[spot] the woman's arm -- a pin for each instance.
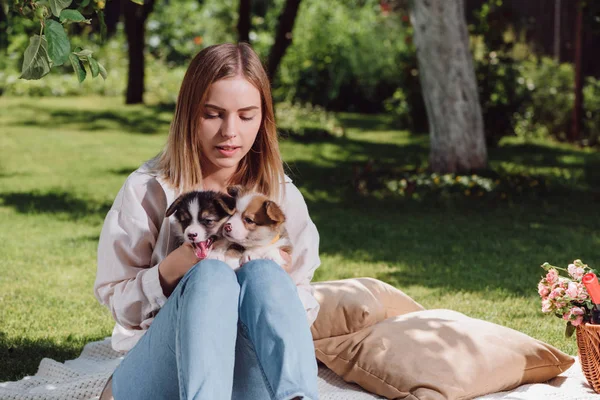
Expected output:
(305, 256)
(128, 282)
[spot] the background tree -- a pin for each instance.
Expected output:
(135, 28)
(449, 86)
(244, 21)
(283, 35)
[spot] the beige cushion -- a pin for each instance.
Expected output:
(437, 354)
(349, 305)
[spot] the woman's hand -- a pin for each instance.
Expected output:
(175, 265)
(288, 260)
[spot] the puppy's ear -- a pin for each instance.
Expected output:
(235, 191)
(226, 203)
(274, 212)
(173, 207)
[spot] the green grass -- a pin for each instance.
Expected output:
(63, 161)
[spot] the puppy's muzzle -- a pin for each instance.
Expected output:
(227, 227)
(192, 236)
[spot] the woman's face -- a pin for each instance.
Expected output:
(230, 120)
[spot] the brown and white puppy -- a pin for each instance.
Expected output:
(257, 225)
(200, 216)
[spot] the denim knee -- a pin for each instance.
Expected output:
(211, 274)
(265, 279)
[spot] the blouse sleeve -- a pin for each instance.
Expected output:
(305, 241)
(126, 281)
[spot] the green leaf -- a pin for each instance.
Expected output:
(84, 4)
(93, 66)
(140, 2)
(36, 63)
(570, 330)
(58, 5)
(102, 71)
(83, 53)
(59, 46)
(72, 16)
(77, 67)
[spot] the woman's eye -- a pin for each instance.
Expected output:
(248, 220)
(211, 116)
(246, 118)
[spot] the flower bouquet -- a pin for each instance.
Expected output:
(575, 299)
(566, 296)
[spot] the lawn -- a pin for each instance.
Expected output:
(64, 159)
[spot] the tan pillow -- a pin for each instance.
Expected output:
(440, 354)
(349, 305)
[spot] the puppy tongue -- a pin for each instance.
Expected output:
(202, 249)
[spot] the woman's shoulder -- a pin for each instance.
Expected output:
(144, 187)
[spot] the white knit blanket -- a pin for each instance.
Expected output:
(84, 378)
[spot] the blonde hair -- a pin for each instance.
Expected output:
(179, 162)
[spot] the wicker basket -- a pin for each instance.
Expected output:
(588, 344)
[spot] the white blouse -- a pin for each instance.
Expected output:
(136, 237)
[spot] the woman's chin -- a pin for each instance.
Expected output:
(226, 162)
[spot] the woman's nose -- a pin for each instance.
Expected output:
(229, 127)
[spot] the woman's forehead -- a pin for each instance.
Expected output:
(232, 94)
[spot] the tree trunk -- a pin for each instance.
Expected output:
(578, 106)
(283, 37)
(135, 27)
(557, 30)
(244, 21)
(449, 87)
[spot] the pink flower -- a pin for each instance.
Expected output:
(546, 305)
(556, 293)
(552, 276)
(575, 315)
(563, 282)
(560, 304)
(575, 271)
(577, 321)
(543, 290)
(572, 290)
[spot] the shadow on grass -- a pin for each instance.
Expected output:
(21, 357)
(137, 119)
(532, 155)
(54, 202)
(366, 122)
(123, 171)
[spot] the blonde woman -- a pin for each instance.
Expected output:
(198, 329)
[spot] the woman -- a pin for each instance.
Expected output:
(219, 334)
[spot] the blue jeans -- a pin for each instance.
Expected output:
(224, 335)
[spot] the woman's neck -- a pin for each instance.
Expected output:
(217, 180)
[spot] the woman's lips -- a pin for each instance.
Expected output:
(228, 151)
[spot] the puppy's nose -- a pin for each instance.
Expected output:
(192, 236)
(227, 227)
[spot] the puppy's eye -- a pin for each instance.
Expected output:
(208, 222)
(248, 221)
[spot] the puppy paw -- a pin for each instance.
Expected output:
(249, 256)
(276, 257)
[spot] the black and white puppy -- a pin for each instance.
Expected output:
(200, 216)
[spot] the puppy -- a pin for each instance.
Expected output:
(200, 216)
(258, 226)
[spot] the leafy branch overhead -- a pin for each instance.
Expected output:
(51, 47)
